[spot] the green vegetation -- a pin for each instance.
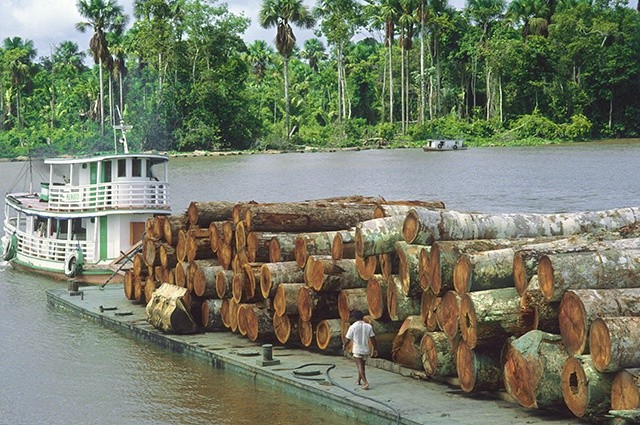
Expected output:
(392, 73)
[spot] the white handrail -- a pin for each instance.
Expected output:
(53, 249)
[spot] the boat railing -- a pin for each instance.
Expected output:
(105, 196)
(53, 249)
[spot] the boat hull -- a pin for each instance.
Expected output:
(90, 276)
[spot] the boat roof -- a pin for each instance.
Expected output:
(155, 158)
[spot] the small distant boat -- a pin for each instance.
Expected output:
(444, 145)
(80, 224)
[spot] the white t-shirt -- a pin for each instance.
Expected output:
(359, 333)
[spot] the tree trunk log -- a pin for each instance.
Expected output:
(273, 274)
(423, 226)
(586, 392)
(286, 329)
(428, 305)
(157, 227)
(484, 270)
(437, 354)
(487, 317)
(150, 252)
(406, 349)
(478, 370)
(367, 267)
(424, 270)
(286, 299)
(129, 278)
(199, 248)
(536, 312)
(181, 246)
(625, 390)
(350, 300)
(259, 324)
(317, 305)
(318, 243)
(212, 315)
(168, 310)
(613, 342)
(532, 369)
(377, 288)
(378, 236)
(334, 275)
(171, 226)
(306, 332)
(448, 314)
(201, 214)
(168, 258)
(328, 335)
(399, 306)
(388, 210)
(181, 274)
(408, 257)
(282, 247)
(588, 270)
(224, 284)
(149, 288)
(580, 307)
(204, 281)
(344, 244)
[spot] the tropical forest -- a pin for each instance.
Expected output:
(179, 76)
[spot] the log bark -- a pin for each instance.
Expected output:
(244, 285)
(150, 287)
(282, 247)
(199, 248)
(588, 270)
(168, 310)
(204, 281)
(614, 342)
(317, 243)
(484, 270)
(388, 210)
(408, 257)
(317, 305)
(423, 226)
(586, 392)
(273, 274)
(224, 284)
(259, 324)
(344, 244)
(625, 390)
(201, 214)
(428, 305)
(306, 217)
(328, 336)
(399, 306)
(212, 315)
(532, 369)
(225, 313)
(424, 270)
(139, 268)
(579, 307)
(158, 227)
(350, 300)
(168, 258)
(488, 317)
(438, 355)
(627, 416)
(334, 275)
(378, 236)
(286, 299)
(406, 349)
(377, 288)
(150, 252)
(367, 267)
(536, 312)
(171, 226)
(478, 370)
(286, 329)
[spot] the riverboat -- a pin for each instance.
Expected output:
(87, 217)
(444, 145)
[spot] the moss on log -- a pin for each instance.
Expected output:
(614, 342)
(408, 258)
(378, 236)
(437, 354)
(484, 270)
(333, 275)
(273, 274)
(586, 392)
(478, 370)
(406, 349)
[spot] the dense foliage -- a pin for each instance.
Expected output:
(392, 71)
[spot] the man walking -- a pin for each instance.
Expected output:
(361, 333)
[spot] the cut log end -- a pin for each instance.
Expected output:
(375, 298)
(625, 391)
(282, 327)
(573, 324)
(465, 365)
(518, 378)
(450, 308)
(411, 226)
(300, 251)
(305, 331)
(519, 273)
(600, 344)
(462, 275)
(305, 304)
(575, 387)
(545, 277)
(468, 321)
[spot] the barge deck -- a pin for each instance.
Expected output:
(397, 395)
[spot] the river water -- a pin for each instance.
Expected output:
(59, 369)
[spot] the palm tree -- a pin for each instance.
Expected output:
(102, 16)
(314, 52)
(281, 14)
(67, 60)
(259, 57)
(533, 15)
(18, 56)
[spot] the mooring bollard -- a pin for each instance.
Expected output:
(267, 356)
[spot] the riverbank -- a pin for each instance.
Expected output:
(397, 394)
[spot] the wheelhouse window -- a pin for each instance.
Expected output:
(136, 167)
(122, 168)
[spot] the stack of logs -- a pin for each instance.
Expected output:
(540, 305)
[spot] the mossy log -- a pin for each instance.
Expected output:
(478, 370)
(536, 312)
(438, 355)
(286, 329)
(625, 390)
(306, 217)
(588, 270)
(333, 275)
(614, 342)
(532, 369)
(403, 207)
(367, 266)
(579, 307)
(168, 310)
(586, 392)
(328, 336)
(400, 306)
(627, 416)
(484, 270)
(224, 283)
(282, 247)
(408, 259)
(350, 300)
(212, 315)
(201, 214)
(487, 317)
(204, 281)
(317, 305)
(448, 314)
(273, 274)
(424, 226)
(378, 236)
(377, 288)
(344, 244)
(286, 299)
(406, 349)
(259, 323)
(317, 243)
(428, 305)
